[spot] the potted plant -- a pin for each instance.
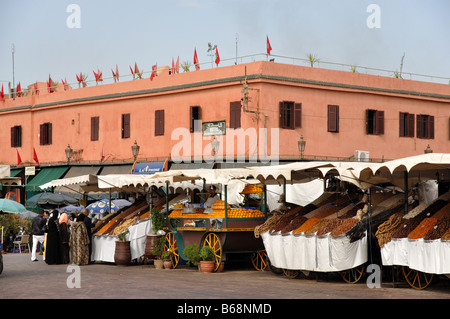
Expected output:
(157, 224)
(192, 253)
(158, 251)
(122, 253)
(167, 259)
(207, 264)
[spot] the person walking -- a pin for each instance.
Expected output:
(79, 242)
(89, 226)
(64, 238)
(37, 229)
(52, 249)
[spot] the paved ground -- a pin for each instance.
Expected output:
(23, 279)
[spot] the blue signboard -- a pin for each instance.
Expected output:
(149, 168)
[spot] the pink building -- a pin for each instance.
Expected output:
(336, 112)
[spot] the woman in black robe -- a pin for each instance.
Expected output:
(64, 238)
(53, 248)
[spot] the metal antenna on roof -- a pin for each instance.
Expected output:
(401, 64)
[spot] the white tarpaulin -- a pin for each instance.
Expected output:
(314, 253)
(103, 247)
(429, 256)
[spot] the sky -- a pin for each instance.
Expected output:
(51, 38)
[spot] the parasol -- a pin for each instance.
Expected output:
(102, 206)
(12, 207)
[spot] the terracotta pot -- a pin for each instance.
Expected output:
(167, 264)
(149, 246)
(207, 266)
(122, 253)
(159, 263)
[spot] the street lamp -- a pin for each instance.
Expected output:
(68, 151)
(135, 149)
(428, 150)
(301, 146)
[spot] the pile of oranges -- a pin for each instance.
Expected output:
(220, 213)
(244, 213)
(251, 189)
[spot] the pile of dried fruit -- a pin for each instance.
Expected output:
(387, 229)
(438, 230)
(446, 236)
(406, 227)
(306, 225)
(317, 226)
(346, 225)
(123, 227)
(268, 224)
(294, 224)
(335, 222)
(422, 229)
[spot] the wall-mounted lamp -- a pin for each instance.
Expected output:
(215, 145)
(135, 149)
(301, 146)
(428, 150)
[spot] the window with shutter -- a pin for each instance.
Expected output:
(194, 117)
(159, 122)
(126, 125)
(425, 126)
(45, 133)
(95, 124)
(235, 114)
(16, 136)
(333, 118)
(374, 122)
(290, 115)
(406, 124)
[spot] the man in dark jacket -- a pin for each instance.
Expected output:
(37, 229)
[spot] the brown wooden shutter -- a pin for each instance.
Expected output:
(235, 114)
(41, 134)
(194, 115)
(159, 122)
(95, 125)
(419, 126)
(367, 122)
(12, 137)
(126, 125)
(379, 122)
(430, 127)
(50, 134)
(282, 115)
(333, 118)
(401, 125)
(297, 115)
(410, 127)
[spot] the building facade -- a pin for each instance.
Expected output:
(266, 108)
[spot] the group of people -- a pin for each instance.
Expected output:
(65, 240)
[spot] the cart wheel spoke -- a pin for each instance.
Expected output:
(417, 279)
(353, 275)
(259, 260)
(172, 246)
(213, 241)
(290, 273)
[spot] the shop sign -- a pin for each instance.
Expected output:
(214, 128)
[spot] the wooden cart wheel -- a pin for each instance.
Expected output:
(417, 279)
(353, 275)
(259, 260)
(291, 273)
(213, 241)
(172, 246)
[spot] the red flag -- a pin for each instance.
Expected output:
(98, 76)
(19, 160)
(18, 90)
(116, 74)
(2, 94)
(35, 156)
(173, 67)
(217, 57)
(50, 84)
(177, 66)
(269, 48)
(197, 66)
(36, 91)
(154, 69)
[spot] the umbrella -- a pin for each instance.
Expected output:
(101, 206)
(71, 209)
(10, 206)
(28, 214)
(121, 202)
(53, 199)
